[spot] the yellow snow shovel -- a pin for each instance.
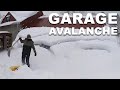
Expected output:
(14, 68)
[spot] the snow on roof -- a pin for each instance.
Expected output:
(8, 23)
(47, 13)
(4, 32)
(46, 16)
(20, 15)
(35, 31)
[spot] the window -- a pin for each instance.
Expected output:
(7, 18)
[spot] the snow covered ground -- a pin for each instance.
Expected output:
(72, 57)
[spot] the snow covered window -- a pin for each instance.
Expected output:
(7, 18)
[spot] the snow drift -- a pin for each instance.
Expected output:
(74, 57)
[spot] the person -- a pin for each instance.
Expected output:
(27, 45)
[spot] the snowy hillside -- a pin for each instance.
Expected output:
(68, 57)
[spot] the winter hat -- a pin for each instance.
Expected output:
(28, 36)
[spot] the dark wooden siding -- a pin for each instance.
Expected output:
(11, 18)
(27, 22)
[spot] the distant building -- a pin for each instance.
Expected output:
(13, 22)
(7, 18)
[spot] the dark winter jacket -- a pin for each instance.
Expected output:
(27, 45)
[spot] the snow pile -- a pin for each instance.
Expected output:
(41, 35)
(34, 32)
(24, 72)
(74, 57)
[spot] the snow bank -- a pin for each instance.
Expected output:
(24, 72)
(41, 35)
(34, 32)
(74, 57)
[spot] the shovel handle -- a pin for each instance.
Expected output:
(15, 42)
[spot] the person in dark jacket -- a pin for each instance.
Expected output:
(27, 45)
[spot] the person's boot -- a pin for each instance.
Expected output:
(28, 65)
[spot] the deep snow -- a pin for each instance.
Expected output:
(74, 57)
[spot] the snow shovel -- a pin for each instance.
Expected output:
(47, 47)
(9, 50)
(14, 68)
